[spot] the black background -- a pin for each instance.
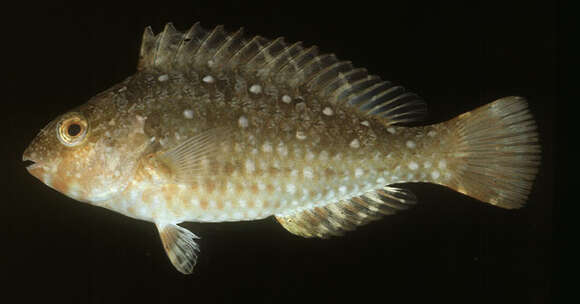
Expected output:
(457, 55)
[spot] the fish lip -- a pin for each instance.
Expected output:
(32, 163)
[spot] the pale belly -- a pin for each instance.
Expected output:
(238, 201)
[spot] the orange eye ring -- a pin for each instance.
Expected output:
(72, 129)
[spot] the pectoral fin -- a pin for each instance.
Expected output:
(192, 158)
(180, 246)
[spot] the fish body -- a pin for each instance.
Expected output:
(216, 127)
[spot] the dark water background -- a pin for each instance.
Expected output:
(449, 248)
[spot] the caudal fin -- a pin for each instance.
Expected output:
(497, 152)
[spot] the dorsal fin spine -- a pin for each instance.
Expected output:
(165, 44)
(203, 48)
(297, 62)
(147, 44)
(265, 51)
(231, 39)
(294, 67)
(283, 57)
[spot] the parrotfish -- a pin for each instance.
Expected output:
(219, 126)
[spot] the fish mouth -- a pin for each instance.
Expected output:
(30, 162)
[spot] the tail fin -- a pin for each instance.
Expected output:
(497, 152)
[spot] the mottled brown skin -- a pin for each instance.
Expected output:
(143, 117)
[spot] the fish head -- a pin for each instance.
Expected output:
(90, 153)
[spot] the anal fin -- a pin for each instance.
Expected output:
(180, 246)
(345, 215)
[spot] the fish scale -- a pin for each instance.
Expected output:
(217, 126)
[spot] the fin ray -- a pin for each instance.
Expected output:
(497, 153)
(292, 65)
(179, 244)
(337, 218)
(193, 156)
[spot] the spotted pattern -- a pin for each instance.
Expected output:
(263, 181)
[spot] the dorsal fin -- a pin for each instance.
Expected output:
(290, 65)
(337, 218)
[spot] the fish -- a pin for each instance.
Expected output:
(219, 126)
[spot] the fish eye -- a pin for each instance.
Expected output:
(72, 129)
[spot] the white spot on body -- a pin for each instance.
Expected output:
(391, 130)
(308, 173)
(300, 135)
(442, 164)
(305, 194)
(267, 147)
(358, 172)
(195, 202)
(210, 63)
(435, 174)
(261, 186)
(381, 181)
(431, 133)
(411, 144)
(143, 210)
(330, 195)
(291, 188)
(309, 155)
(243, 122)
(252, 213)
(282, 149)
(365, 123)
(355, 144)
(188, 114)
(163, 78)
(208, 79)
(328, 111)
(250, 167)
(323, 156)
(256, 89)
(286, 99)
(342, 190)
(413, 165)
